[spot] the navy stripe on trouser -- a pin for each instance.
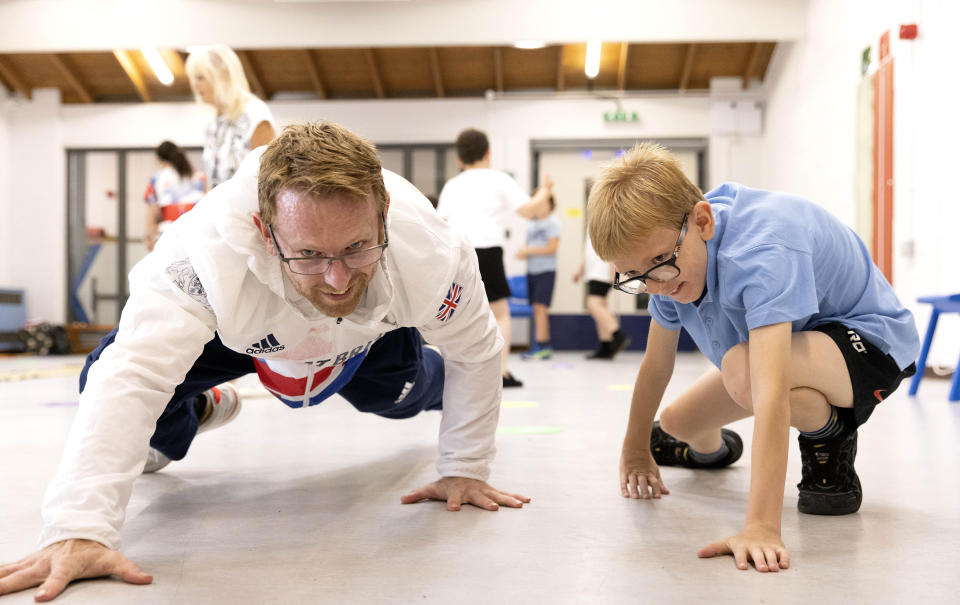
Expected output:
(394, 361)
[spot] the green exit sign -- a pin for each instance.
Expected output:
(620, 116)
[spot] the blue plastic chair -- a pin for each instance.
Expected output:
(941, 304)
(519, 299)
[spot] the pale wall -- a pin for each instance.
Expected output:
(34, 207)
(809, 143)
(4, 189)
(925, 170)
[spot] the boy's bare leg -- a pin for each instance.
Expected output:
(541, 320)
(698, 414)
(603, 316)
(501, 312)
(818, 379)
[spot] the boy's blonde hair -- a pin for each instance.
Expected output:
(643, 190)
(319, 159)
(221, 67)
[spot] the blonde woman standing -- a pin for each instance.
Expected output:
(243, 122)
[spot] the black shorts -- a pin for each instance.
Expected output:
(540, 287)
(492, 273)
(598, 288)
(873, 373)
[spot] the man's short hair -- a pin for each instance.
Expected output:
(642, 191)
(472, 145)
(319, 159)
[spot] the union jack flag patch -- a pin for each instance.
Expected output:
(450, 303)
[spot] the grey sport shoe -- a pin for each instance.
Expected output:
(223, 405)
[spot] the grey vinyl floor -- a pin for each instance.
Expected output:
(302, 506)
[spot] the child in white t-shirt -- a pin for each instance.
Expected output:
(598, 277)
(477, 203)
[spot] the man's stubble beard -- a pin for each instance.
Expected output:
(315, 295)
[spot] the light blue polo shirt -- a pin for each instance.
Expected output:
(539, 234)
(776, 257)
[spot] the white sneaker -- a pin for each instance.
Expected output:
(155, 461)
(223, 405)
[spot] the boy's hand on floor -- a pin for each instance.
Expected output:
(640, 475)
(758, 544)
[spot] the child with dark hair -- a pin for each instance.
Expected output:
(172, 191)
(472, 146)
(477, 203)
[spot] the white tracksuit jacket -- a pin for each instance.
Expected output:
(212, 272)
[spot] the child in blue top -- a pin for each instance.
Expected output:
(543, 238)
(785, 301)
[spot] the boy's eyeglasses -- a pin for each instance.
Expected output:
(317, 265)
(661, 273)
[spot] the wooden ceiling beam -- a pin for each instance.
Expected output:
(11, 77)
(133, 73)
(256, 85)
(561, 81)
(435, 69)
(375, 78)
(498, 68)
(751, 63)
(622, 66)
(314, 73)
(60, 62)
(174, 61)
(687, 67)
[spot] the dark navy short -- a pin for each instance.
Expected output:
(874, 375)
(540, 287)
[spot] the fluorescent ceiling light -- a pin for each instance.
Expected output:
(332, 1)
(591, 65)
(158, 65)
(529, 44)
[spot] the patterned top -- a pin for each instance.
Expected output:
(228, 141)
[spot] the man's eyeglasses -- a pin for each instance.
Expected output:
(661, 273)
(316, 265)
